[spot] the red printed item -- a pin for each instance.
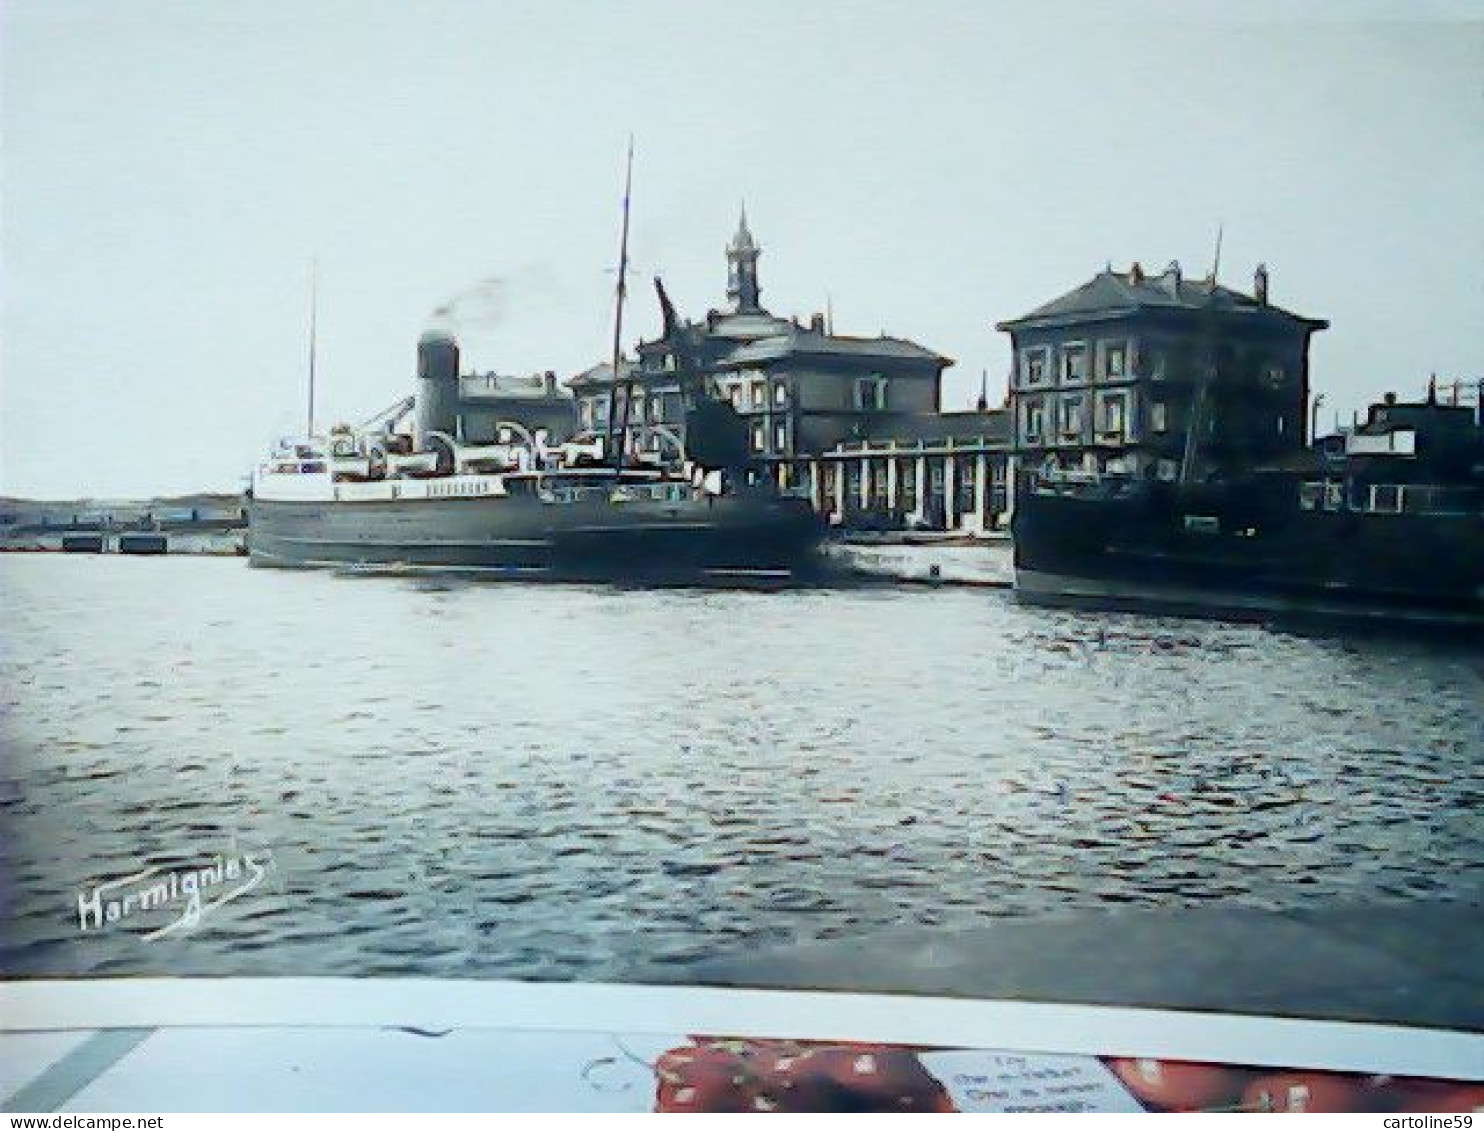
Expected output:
(1176, 1085)
(718, 1074)
(1173, 1085)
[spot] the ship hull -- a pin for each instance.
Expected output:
(1145, 554)
(736, 536)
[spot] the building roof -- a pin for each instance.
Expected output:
(992, 426)
(907, 430)
(531, 387)
(799, 340)
(1113, 293)
(747, 325)
(600, 374)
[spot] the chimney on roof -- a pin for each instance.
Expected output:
(1260, 284)
(1171, 278)
(1136, 273)
(551, 388)
(816, 323)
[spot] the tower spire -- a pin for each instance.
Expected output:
(742, 283)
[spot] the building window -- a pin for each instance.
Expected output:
(1071, 417)
(1159, 417)
(1074, 362)
(1033, 366)
(657, 408)
(600, 412)
(1035, 420)
(1115, 360)
(780, 393)
(739, 397)
(759, 438)
(780, 436)
(1112, 423)
(870, 394)
(759, 394)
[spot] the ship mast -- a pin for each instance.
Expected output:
(313, 319)
(620, 293)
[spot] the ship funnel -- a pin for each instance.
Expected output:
(438, 383)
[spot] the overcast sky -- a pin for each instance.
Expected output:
(171, 169)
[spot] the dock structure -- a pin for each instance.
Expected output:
(195, 525)
(950, 484)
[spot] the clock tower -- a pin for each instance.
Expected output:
(742, 284)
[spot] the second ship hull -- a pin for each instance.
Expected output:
(1143, 554)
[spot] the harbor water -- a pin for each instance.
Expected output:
(516, 780)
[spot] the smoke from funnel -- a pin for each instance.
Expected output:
(477, 307)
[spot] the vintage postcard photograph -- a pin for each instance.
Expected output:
(844, 555)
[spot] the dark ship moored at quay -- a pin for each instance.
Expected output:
(1391, 531)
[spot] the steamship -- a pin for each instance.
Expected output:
(489, 491)
(1380, 525)
(517, 505)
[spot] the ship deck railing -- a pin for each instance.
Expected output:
(1392, 498)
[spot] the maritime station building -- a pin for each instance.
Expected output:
(1146, 375)
(854, 422)
(1159, 376)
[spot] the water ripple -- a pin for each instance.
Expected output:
(567, 782)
